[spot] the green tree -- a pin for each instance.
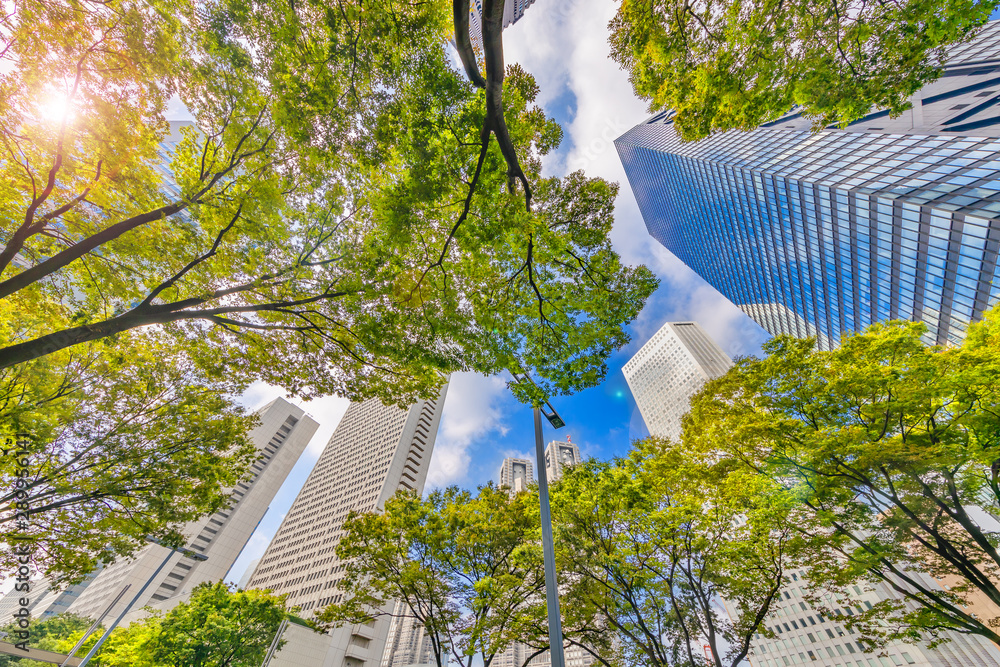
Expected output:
(889, 447)
(724, 64)
(651, 541)
(216, 627)
(467, 566)
(56, 633)
(104, 474)
(339, 221)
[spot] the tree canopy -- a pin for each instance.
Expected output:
(216, 627)
(889, 448)
(651, 542)
(335, 220)
(465, 566)
(725, 64)
(107, 433)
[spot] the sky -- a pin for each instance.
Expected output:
(563, 43)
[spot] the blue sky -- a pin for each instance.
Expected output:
(564, 44)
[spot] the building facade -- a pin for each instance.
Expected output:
(516, 474)
(375, 451)
(513, 10)
(802, 636)
(281, 436)
(407, 644)
(668, 370)
(558, 455)
(822, 233)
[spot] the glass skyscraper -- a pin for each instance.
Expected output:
(819, 233)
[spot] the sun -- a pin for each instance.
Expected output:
(56, 107)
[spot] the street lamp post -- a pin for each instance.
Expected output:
(100, 642)
(548, 548)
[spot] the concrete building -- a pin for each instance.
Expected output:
(516, 474)
(407, 645)
(668, 370)
(805, 637)
(282, 435)
(822, 233)
(558, 455)
(513, 10)
(375, 451)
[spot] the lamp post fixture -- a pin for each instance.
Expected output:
(548, 547)
(186, 552)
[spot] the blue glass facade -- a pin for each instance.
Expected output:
(818, 233)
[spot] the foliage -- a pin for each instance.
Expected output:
(724, 64)
(107, 434)
(56, 633)
(890, 448)
(651, 541)
(335, 221)
(467, 566)
(215, 627)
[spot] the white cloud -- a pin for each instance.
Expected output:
(472, 410)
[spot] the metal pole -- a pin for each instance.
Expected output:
(118, 620)
(95, 624)
(274, 643)
(548, 551)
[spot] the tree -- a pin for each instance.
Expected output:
(216, 627)
(338, 221)
(106, 437)
(55, 633)
(723, 65)
(468, 567)
(651, 541)
(890, 448)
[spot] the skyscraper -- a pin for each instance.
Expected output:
(802, 636)
(375, 451)
(282, 435)
(668, 370)
(513, 10)
(516, 474)
(558, 455)
(407, 644)
(820, 233)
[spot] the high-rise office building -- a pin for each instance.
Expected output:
(407, 644)
(802, 636)
(558, 455)
(668, 370)
(513, 10)
(516, 474)
(375, 451)
(820, 233)
(280, 437)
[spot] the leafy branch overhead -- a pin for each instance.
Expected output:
(724, 64)
(336, 219)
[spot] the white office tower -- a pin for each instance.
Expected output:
(805, 637)
(407, 644)
(558, 455)
(516, 474)
(513, 10)
(668, 370)
(52, 601)
(282, 435)
(375, 451)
